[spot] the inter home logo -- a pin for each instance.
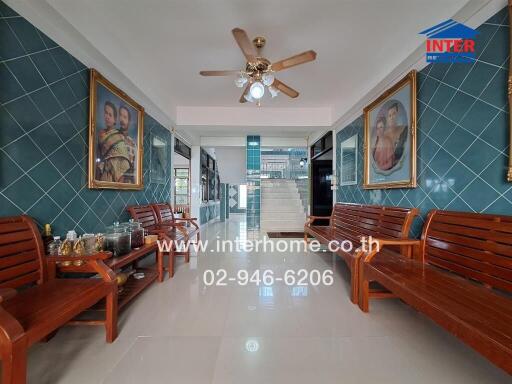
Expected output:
(450, 42)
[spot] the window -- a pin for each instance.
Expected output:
(182, 148)
(211, 185)
(242, 196)
(217, 186)
(181, 186)
(204, 184)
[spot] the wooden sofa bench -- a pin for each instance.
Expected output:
(460, 277)
(354, 221)
(32, 304)
(165, 215)
(170, 232)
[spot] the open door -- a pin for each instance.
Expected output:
(321, 176)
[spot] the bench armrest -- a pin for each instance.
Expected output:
(311, 219)
(167, 224)
(409, 244)
(191, 220)
(7, 293)
(10, 329)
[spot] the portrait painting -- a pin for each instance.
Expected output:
(115, 137)
(390, 137)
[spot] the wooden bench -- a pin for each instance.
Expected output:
(42, 304)
(353, 222)
(165, 215)
(172, 233)
(459, 274)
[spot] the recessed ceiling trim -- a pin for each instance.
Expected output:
(253, 116)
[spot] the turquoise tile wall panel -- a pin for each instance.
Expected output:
(463, 134)
(223, 195)
(203, 214)
(234, 199)
(253, 158)
(209, 211)
(44, 106)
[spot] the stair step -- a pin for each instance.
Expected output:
(281, 206)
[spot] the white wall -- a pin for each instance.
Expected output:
(195, 181)
(231, 161)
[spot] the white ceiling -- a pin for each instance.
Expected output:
(161, 45)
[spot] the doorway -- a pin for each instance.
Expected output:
(321, 176)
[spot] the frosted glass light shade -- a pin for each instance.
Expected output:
(257, 90)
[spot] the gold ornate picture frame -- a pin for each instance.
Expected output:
(116, 129)
(390, 137)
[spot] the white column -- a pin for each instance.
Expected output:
(195, 181)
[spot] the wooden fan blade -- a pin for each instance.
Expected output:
(285, 89)
(219, 73)
(245, 44)
(301, 58)
(246, 91)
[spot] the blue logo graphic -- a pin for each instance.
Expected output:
(450, 42)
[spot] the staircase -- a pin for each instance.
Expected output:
(281, 206)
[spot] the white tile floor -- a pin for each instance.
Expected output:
(181, 331)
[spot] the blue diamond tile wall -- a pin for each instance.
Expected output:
(463, 135)
(44, 104)
(253, 159)
(234, 199)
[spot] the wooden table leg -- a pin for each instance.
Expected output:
(160, 263)
(171, 263)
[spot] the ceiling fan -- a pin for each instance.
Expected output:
(259, 71)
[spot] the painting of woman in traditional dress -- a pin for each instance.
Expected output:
(390, 137)
(115, 139)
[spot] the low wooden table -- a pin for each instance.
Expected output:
(131, 288)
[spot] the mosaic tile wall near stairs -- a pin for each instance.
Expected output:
(234, 199)
(44, 98)
(463, 135)
(253, 167)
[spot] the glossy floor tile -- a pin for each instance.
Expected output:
(182, 331)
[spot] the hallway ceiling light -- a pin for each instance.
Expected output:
(268, 78)
(257, 90)
(241, 80)
(273, 92)
(259, 71)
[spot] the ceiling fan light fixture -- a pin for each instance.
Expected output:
(239, 82)
(257, 90)
(273, 91)
(267, 78)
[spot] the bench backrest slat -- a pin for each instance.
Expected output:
(144, 214)
(356, 220)
(163, 213)
(21, 252)
(473, 245)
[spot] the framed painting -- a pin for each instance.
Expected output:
(159, 159)
(348, 161)
(390, 137)
(116, 128)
